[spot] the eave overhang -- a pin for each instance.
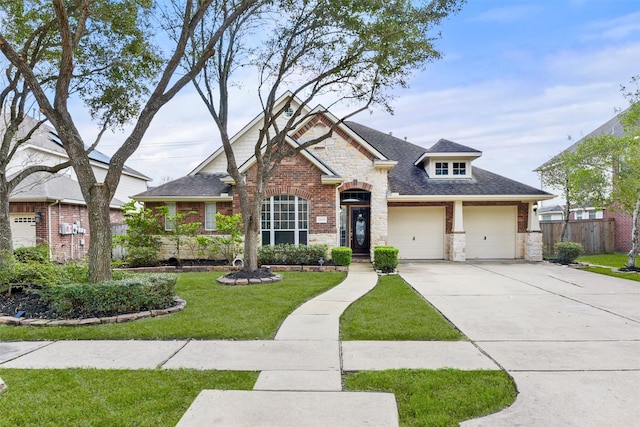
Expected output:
(394, 197)
(221, 198)
(387, 165)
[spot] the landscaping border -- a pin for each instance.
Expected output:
(12, 321)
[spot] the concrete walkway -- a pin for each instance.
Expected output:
(569, 338)
(300, 370)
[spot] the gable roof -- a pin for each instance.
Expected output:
(411, 180)
(43, 186)
(202, 186)
(46, 139)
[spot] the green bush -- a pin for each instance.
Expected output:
(567, 252)
(32, 254)
(35, 273)
(292, 254)
(385, 257)
(142, 256)
(341, 255)
(136, 293)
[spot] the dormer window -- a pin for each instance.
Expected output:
(459, 168)
(442, 168)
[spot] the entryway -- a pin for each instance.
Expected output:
(355, 222)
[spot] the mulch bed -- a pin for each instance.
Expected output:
(34, 307)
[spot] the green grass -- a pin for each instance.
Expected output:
(394, 311)
(609, 272)
(439, 398)
(84, 397)
(213, 311)
(607, 260)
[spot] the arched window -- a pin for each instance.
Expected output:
(285, 219)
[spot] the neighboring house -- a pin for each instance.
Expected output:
(556, 213)
(362, 188)
(49, 208)
(623, 221)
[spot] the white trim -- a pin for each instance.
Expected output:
(184, 198)
(394, 197)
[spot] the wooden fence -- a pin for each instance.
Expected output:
(597, 236)
(118, 229)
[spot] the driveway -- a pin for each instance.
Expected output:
(569, 338)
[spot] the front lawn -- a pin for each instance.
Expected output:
(442, 398)
(607, 260)
(87, 397)
(213, 311)
(394, 311)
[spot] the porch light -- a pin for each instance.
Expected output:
(351, 200)
(535, 207)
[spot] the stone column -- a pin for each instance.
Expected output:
(458, 239)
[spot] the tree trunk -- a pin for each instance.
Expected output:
(633, 253)
(565, 225)
(6, 240)
(100, 233)
(251, 239)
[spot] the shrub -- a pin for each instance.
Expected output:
(291, 254)
(230, 244)
(35, 273)
(32, 254)
(385, 257)
(567, 252)
(341, 255)
(142, 256)
(136, 293)
(141, 240)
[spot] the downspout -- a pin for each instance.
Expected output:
(49, 227)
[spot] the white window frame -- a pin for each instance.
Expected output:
(210, 216)
(170, 225)
(460, 165)
(443, 168)
(300, 219)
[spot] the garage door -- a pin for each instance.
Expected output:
(490, 231)
(418, 232)
(23, 230)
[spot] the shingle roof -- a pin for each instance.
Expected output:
(198, 185)
(446, 146)
(46, 138)
(408, 179)
(46, 186)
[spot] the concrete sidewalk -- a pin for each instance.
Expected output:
(301, 369)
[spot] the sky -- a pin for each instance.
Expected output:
(519, 80)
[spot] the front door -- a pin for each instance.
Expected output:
(360, 222)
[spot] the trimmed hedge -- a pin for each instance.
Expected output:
(291, 254)
(137, 293)
(385, 258)
(568, 252)
(341, 255)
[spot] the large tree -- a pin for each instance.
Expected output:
(344, 53)
(609, 168)
(104, 53)
(561, 174)
(15, 128)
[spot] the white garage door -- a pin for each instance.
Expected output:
(490, 231)
(23, 230)
(418, 232)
